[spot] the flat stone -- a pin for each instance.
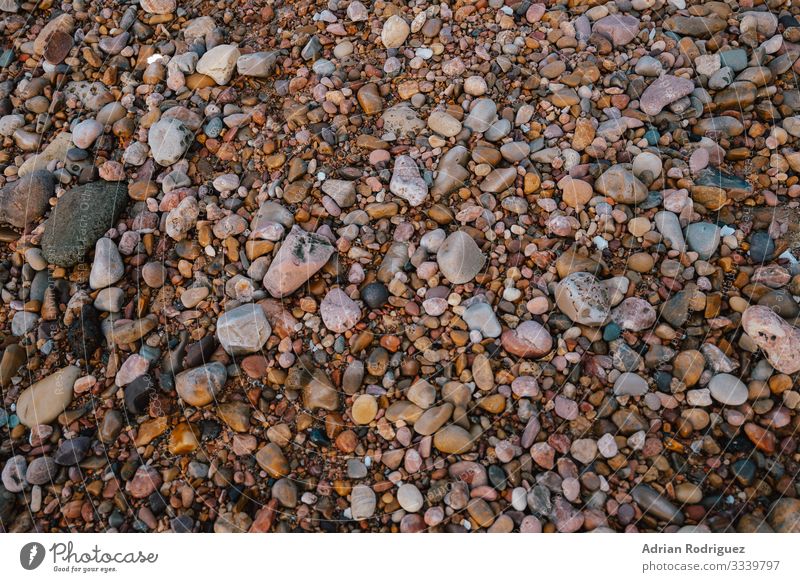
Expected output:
(80, 218)
(199, 386)
(406, 181)
(42, 402)
(301, 255)
(243, 330)
(459, 258)
(26, 200)
(728, 390)
(663, 91)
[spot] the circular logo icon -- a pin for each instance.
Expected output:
(31, 555)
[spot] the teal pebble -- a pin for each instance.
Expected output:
(611, 332)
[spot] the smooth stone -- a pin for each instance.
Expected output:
(26, 200)
(13, 474)
(481, 116)
(362, 502)
(779, 339)
(453, 439)
(630, 384)
(407, 183)
(243, 330)
(107, 267)
(728, 390)
(650, 501)
(395, 31)
(56, 150)
(410, 498)
(480, 316)
(635, 314)
(459, 258)
(529, 340)
(620, 184)
(301, 255)
(703, 238)
(42, 402)
(444, 124)
(364, 409)
(200, 386)
(86, 132)
(339, 313)
(582, 298)
(41, 471)
(169, 139)
(271, 459)
(259, 65)
(663, 91)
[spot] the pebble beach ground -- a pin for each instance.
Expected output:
(483, 265)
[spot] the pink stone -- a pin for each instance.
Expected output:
(621, 29)
(529, 340)
(531, 430)
(566, 408)
(543, 455)
(699, 160)
(301, 255)
(112, 171)
(779, 340)
(134, 367)
(145, 481)
(525, 387)
(663, 91)
(530, 524)
(634, 314)
(339, 313)
(535, 13)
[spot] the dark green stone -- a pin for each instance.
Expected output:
(81, 217)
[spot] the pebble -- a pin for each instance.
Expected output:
(199, 386)
(728, 390)
(243, 330)
(459, 258)
(495, 257)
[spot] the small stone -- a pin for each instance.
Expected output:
(200, 386)
(362, 502)
(219, 63)
(459, 258)
(728, 390)
(158, 6)
(771, 333)
(365, 407)
(243, 330)
(406, 181)
(46, 399)
(272, 460)
(630, 384)
(25, 201)
(665, 90)
(529, 340)
(620, 184)
(453, 439)
(86, 132)
(107, 267)
(395, 32)
(582, 298)
(301, 255)
(410, 498)
(650, 501)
